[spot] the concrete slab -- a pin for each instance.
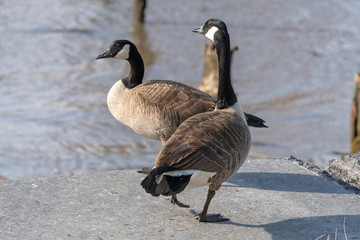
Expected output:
(266, 199)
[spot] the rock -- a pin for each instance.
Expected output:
(346, 168)
(267, 199)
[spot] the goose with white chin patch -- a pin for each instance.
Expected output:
(155, 108)
(208, 148)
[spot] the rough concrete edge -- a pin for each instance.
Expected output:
(324, 174)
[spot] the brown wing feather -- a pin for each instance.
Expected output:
(178, 97)
(186, 100)
(171, 103)
(209, 142)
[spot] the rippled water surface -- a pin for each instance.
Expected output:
(294, 68)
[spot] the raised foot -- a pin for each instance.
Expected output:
(174, 201)
(211, 218)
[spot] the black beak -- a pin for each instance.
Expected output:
(198, 30)
(104, 55)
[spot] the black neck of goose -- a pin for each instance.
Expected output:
(136, 72)
(226, 96)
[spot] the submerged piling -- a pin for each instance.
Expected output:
(354, 117)
(139, 11)
(210, 78)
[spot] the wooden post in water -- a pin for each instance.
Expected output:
(139, 11)
(210, 78)
(354, 117)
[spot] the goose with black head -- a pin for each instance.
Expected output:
(208, 148)
(155, 108)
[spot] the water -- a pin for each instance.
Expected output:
(294, 68)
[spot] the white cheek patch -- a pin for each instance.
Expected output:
(211, 32)
(123, 53)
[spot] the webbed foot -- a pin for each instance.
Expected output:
(210, 218)
(174, 201)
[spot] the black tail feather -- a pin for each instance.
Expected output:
(177, 184)
(145, 170)
(149, 184)
(166, 185)
(254, 121)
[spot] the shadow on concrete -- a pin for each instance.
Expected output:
(308, 227)
(284, 182)
(311, 227)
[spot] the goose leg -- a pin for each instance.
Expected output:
(203, 217)
(174, 200)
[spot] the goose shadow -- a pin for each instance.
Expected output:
(287, 182)
(316, 227)
(319, 227)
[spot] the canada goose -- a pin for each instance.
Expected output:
(208, 148)
(155, 108)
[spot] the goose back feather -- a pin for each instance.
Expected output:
(209, 142)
